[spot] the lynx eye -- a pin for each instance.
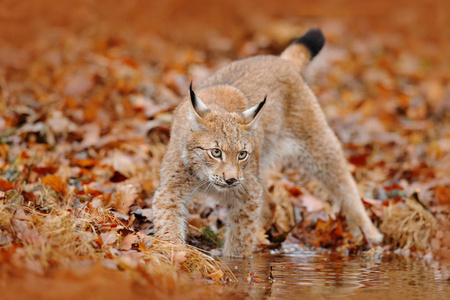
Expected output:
(242, 155)
(216, 153)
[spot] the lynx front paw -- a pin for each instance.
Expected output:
(235, 252)
(170, 231)
(171, 238)
(239, 245)
(372, 234)
(369, 231)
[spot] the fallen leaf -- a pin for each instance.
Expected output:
(118, 177)
(85, 162)
(252, 278)
(147, 213)
(5, 185)
(122, 163)
(125, 196)
(443, 194)
(179, 257)
(78, 84)
(44, 170)
(322, 226)
(91, 136)
(55, 183)
(5, 238)
(295, 191)
(109, 237)
(127, 241)
(359, 160)
(216, 276)
(311, 203)
(59, 124)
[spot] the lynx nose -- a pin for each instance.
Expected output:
(231, 181)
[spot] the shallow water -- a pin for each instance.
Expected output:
(305, 274)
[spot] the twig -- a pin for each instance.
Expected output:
(415, 196)
(271, 273)
(252, 274)
(29, 168)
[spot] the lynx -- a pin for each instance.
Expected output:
(245, 118)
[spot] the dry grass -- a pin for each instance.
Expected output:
(408, 225)
(57, 233)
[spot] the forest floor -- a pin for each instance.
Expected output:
(87, 93)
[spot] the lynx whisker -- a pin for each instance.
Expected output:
(241, 189)
(202, 183)
(208, 187)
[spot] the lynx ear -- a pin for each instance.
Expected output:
(252, 114)
(197, 110)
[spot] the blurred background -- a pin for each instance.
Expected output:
(88, 87)
(84, 76)
(195, 21)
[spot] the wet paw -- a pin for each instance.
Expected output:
(232, 252)
(369, 232)
(372, 234)
(375, 238)
(235, 251)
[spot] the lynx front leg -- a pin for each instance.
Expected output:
(170, 213)
(243, 221)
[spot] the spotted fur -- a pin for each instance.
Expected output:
(229, 112)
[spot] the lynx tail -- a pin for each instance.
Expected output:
(303, 49)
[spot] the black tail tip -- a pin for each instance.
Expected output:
(313, 40)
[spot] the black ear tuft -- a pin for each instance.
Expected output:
(251, 115)
(197, 106)
(313, 40)
(191, 92)
(260, 106)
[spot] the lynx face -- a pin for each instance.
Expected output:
(220, 143)
(219, 151)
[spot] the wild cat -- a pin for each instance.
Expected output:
(246, 117)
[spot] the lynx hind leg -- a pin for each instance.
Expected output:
(243, 222)
(321, 156)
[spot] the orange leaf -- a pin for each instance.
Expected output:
(358, 160)
(98, 241)
(125, 196)
(5, 185)
(180, 258)
(392, 187)
(130, 62)
(45, 170)
(295, 191)
(252, 278)
(55, 183)
(322, 226)
(127, 242)
(85, 162)
(95, 193)
(142, 246)
(217, 275)
(443, 194)
(338, 232)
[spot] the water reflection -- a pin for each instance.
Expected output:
(305, 274)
